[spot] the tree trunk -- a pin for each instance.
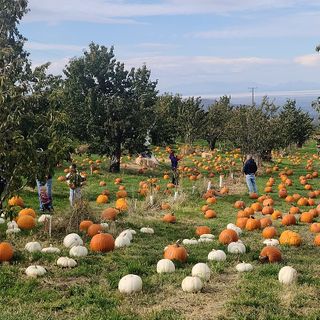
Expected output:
(267, 156)
(115, 160)
(299, 145)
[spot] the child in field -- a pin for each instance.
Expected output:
(45, 199)
(75, 181)
(174, 167)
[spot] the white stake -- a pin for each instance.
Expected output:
(175, 197)
(209, 186)
(193, 189)
(135, 204)
(231, 175)
(221, 181)
(151, 200)
(50, 226)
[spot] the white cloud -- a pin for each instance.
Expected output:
(30, 45)
(110, 11)
(309, 60)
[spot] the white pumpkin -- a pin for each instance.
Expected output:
(66, 262)
(122, 241)
(126, 233)
(2, 221)
(133, 232)
(189, 241)
(35, 271)
(205, 240)
(147, 230)
(236, 247)
(244, 267)
(14, 230)
(287, 275)
(130, 283)
(165, 266)
(217, 255)
(207, 236)
(50, 249)
(233, 227)
(44, 217)
(78, 251)
(202, 271)
(271, 242)
(104, 225)
(71, 240)
(33, 246)
(191, 284)
(12, 225)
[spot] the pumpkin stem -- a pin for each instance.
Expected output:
(178, 242)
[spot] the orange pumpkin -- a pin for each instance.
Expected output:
(290, 238)
(26, 222)
(27, 211)
(257, 207)
(102, 199)
(306, 217)
(227, 236)
(176, 252)
(121, 204)
(253, 224)
(265, 222)
(276, 214)
(169, 218)
(121, 194)
(202, 230)
(241, 222)
(317, 240)
(294, 210)
(16, 201)
(270, 254)
(267, 210)
(109, 214)
(165, 206)
(269, 232)
(94, 229)
(102, 242)
(288, 220)
(315, 227)
(209, 214)
(84, 225)
(6, 251)
(239, 204)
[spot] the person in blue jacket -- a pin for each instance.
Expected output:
(249, 169)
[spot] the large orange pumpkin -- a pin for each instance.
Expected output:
(26, 222)
(227, 236)
(317, 240)
(315, 227)
(121, 204)
(253, 224)
(290, 238)
(109, 214)
(270, 254)
(306, 217)
(102, 242)
(6, 251)
(241, 222)
(176, 252)
(102, 198)
(288, 220)
(27, 211)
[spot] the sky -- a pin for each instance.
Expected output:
(203, 48)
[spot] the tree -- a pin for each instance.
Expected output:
(296, 125)
(191, 119)
(27, 120)
(217, 118)
(164, 129)
(111, 108)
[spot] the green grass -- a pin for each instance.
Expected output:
(89, 291)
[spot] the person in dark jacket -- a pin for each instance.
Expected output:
(174, 166)
(249, 169)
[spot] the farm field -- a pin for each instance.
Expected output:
(90, 290)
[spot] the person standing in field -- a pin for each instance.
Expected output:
(174, 167)
(249, 169)
(75, 181)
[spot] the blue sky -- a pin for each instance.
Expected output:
(193, 47)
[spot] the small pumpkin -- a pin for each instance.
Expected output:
(169, 218)
(102, 198)
(191, 284)
(202, 230)
(270, 254)
(288, 220)
(269, 232)
(109, 214)
(202, 271)
(176, 252)
(227, 236)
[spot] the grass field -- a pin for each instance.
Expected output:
(89, 291)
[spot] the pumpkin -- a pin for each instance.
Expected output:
(217, 255)
(202, 271)
(287, 275)
(66, 262)
(27, 211)
(165, 266)
(165, 206)
(270, 254)
(288, 220)
(146, 230)
(33, 246)
(109, 214)
(241, 222)
(26, 222)
(253, 195)
(239, 204)
(16, 201)
(244, 267)
(315, 227)
(290, 238)
(294, 210)
(191, 284)
(190, 241)
(211, 200)
(122, 241)
(102, 242)
(121, 204)
(316, 241)
(269, 232)
(271, 242)
(253, 224)
(6, 251)
(72, 240)
(306, 217)
(276, 215)
(35, 271)
(256, 207)
(302, 202)
(169, 218)
(129, 284)
(283, 193)
(267, 210)
(265, 222)
(202, 230)
(227, 236)
(78, 251)
(102, 184)
(44, 218)
(236, 247)
(84, 225)
(205, 208)
(268, 202)
(101, 199)
(50, 249)
(209, 214)
(289, 199)
(176, 252)
(235, 228)
(248, 211)
(121, 194)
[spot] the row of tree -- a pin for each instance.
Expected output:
(112, 109)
